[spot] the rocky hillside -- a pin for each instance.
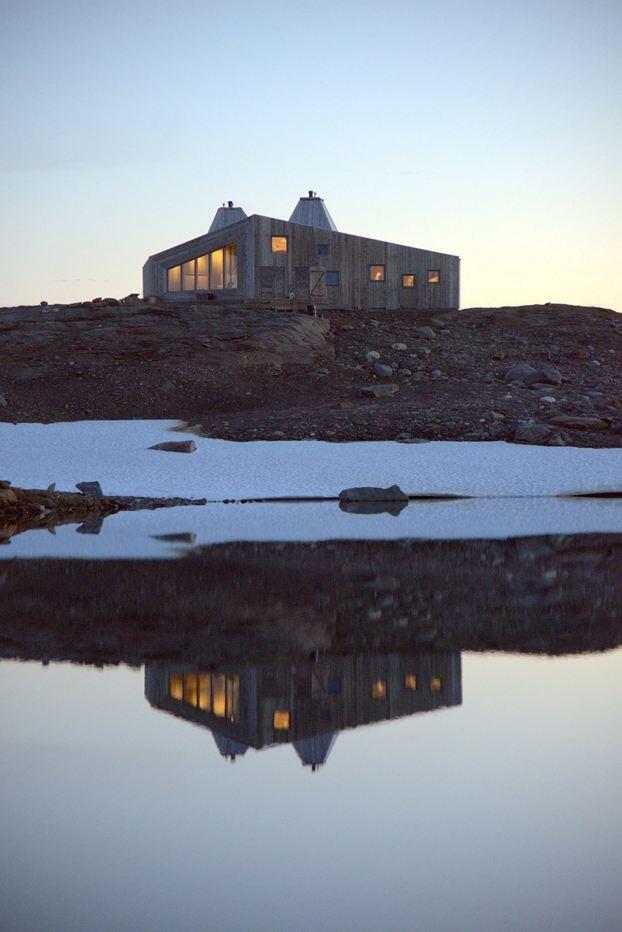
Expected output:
(540, 374)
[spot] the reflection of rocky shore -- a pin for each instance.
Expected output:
(247, 602)
(305, 703)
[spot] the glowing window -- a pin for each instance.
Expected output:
(408, 281)
(434, 277)
(410, 681)
(218, 695)
(205, 694)
(280, 720)
(436, 684)
(173, 282)
(187, 276)
(379, 689)
(203, 273)
(231, 266)
(190, 688)
(279, 244)
(176, 686)
(332, 278)
(376, 273)
(216, 276)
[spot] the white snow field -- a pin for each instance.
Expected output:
(116, 454)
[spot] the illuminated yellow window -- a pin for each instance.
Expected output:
(187, 276)
(173, 281)
(379, 689)
(410, 681)
(279, 244)
(218, 695)
(176, 686)
(231, 266)
(408, 281)
(205, 694)
(203, 273)
(233, 698)
(216, 275)
(436, 684)
(434, 277)
(376, 273)
(280, 720)
(190, 688)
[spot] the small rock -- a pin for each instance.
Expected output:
(549, 399)
(3, 401)
(373, 494)
(372, 355)
(92, 489)
(426, 332)
(380, 391)
(399, 347)
(373, 322)
(176, 446)
(183, 537)
(405, 371)
(277, 434)
(521, 372)
(579, 422)
(556, 441)
(382, 371)
(437, 374)
(532, 433)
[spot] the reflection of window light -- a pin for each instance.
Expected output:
(379, 689)
(176, 686)
(434, 277)
(218, 695)
(205, 697)
(279, 244)
(436, 684)
(410, 681)
(280, 720)
(173, 282)
(408, 281)
(376, 273)
(190, 688)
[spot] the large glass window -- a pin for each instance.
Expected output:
(187, 276)
(279, 244)
(174, 279)
(231, 266)
(203, 273)
(216, 275)
(376, 273)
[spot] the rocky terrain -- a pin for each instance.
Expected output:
(546, 374)
(247, 602)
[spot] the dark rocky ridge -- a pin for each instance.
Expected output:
(253, 602)
(251, 374)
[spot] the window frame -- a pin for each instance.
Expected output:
(409, 275)
(279, 252)
(377, 265)
(434, 281)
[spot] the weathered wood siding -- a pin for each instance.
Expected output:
(265, 275)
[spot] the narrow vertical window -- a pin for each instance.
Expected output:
(205, 695)
(410, 681)
(190, 688)
(203, 273)
(187, 276)
(379, 689)
(218, 695)
(231, 266)
(173, 282)
(216, 270)
(176, 686)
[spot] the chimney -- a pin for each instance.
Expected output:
(225, 216)
(311, 212)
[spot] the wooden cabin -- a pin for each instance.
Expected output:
(301, 261)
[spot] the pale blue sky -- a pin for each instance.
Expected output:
(488, 129)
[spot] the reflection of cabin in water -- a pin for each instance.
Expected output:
(307, 703)
(250, 259)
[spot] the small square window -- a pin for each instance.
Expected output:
(322, 249)
(332, 278)
(408, 281)
(434, 277)
(379, 689)
(279, 244)
(376, 273)
(280, 720)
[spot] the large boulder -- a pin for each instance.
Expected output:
(370, 493)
